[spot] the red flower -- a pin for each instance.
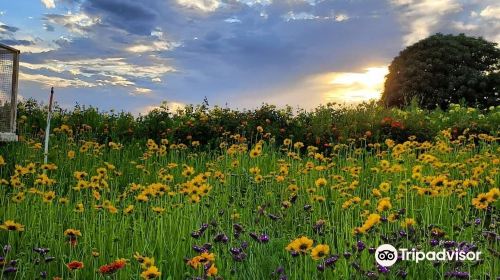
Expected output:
(113, 267)
(396, 124)
(386, 120)
(73, 265)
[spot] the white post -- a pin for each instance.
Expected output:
(47, 130)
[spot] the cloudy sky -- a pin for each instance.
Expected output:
(131, 55)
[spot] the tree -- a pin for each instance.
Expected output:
(444, 69)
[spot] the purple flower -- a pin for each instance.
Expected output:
(457, 274)
(198, 249)
(402, 233)
(263, 238)
(382, 269)
(360, 245)
(434, 242)
(372, 250)
(235, 250)
(244, 245)
(331, 260)
(294, 253)
(10, 269)
(307, 207)
(449, 244)
(383, 219)
(321, 267)
(239, 257)
(207, 246)
(280, 270)
(43, 274)
(347, 255)
(221, 237)
(477, 221)
(41, 251)
(196, 234)
(371, 274)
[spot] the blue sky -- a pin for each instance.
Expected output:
(132, 55)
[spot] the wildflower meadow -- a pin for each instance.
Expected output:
(197, 197)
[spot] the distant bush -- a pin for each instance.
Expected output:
(325, 124)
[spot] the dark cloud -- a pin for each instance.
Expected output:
(14, 42)
(48, 27)
(137, 17)
(8, 29)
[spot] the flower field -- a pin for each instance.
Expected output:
(248, 208)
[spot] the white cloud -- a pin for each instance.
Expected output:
(49, 4)
(256, 2)
(152, 46)
(79, 23)
(51, 81)
(462, 26)
(100, 71)
(202, 5)
(232, 20)
(341, 17)
(141, 91)
(420, 18)
(491, 12)
(290, 16)
(159, 43)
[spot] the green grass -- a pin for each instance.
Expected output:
(167, 237)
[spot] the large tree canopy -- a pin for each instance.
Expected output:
(444, 69)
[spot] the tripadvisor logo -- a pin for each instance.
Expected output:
(386, 255)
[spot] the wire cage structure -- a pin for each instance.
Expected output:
(9, 73)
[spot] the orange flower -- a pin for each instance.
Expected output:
(113, 267)
(74, 265)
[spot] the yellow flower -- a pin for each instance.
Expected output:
(212, 271)
(320, 182)
(384, 204)
(49, 196)
(129, 209)
(384, 186)
(258, 178)
(2, 161)
(320, 251)
(71, 154)
(10, 225)
(408, 222)
(302, 244)
(79, 208)
(72, 232)
(158, 210)
(151, 273)
(481, 201)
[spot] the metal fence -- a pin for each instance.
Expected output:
(9, 72)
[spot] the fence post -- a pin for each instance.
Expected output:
(47, 130)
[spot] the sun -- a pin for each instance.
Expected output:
(353, 87)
